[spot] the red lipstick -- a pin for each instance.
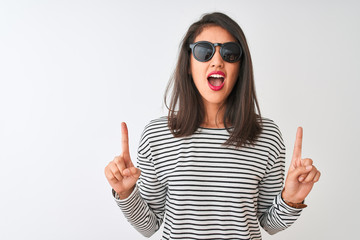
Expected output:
(216, 80)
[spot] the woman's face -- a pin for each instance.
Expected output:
(214, 91)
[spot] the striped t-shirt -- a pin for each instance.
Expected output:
(202, 189)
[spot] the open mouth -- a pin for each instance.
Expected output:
(216, 81)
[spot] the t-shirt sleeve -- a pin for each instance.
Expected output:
(273, 213)
(144, 208)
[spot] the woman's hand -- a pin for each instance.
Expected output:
(301, 176)
(120, 172)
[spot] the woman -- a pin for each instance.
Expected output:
(213, 168)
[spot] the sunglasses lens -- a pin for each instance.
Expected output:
(231, 52)
(203, 52)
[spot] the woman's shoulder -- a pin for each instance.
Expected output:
(267, 122)
(159, 122)
(271, 133)
(269, 126)
(156, 126)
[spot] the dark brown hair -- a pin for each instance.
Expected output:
(186, 109)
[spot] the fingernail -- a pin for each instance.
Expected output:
(126, 172)
(308, 167)
(301, 179)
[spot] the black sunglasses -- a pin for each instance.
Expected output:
(203, 51)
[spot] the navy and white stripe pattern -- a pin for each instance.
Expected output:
(202, 189)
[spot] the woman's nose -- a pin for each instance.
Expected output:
(216, 60)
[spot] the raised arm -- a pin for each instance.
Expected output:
(273, 212)
(140, 197)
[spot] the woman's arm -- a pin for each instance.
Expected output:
(273, 213)
(144, 207)
(277, 215)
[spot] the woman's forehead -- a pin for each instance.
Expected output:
(214, 34)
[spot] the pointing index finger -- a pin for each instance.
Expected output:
(298, 146)
(124, 140)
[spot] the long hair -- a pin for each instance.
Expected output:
(186, 109)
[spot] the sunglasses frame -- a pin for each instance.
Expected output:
(213, 45)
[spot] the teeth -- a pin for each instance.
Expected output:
(216, 76)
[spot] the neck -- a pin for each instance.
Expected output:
(213, 117)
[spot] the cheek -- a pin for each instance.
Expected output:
(197, 70)
(234, 70)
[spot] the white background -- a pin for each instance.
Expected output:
(71, 71)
